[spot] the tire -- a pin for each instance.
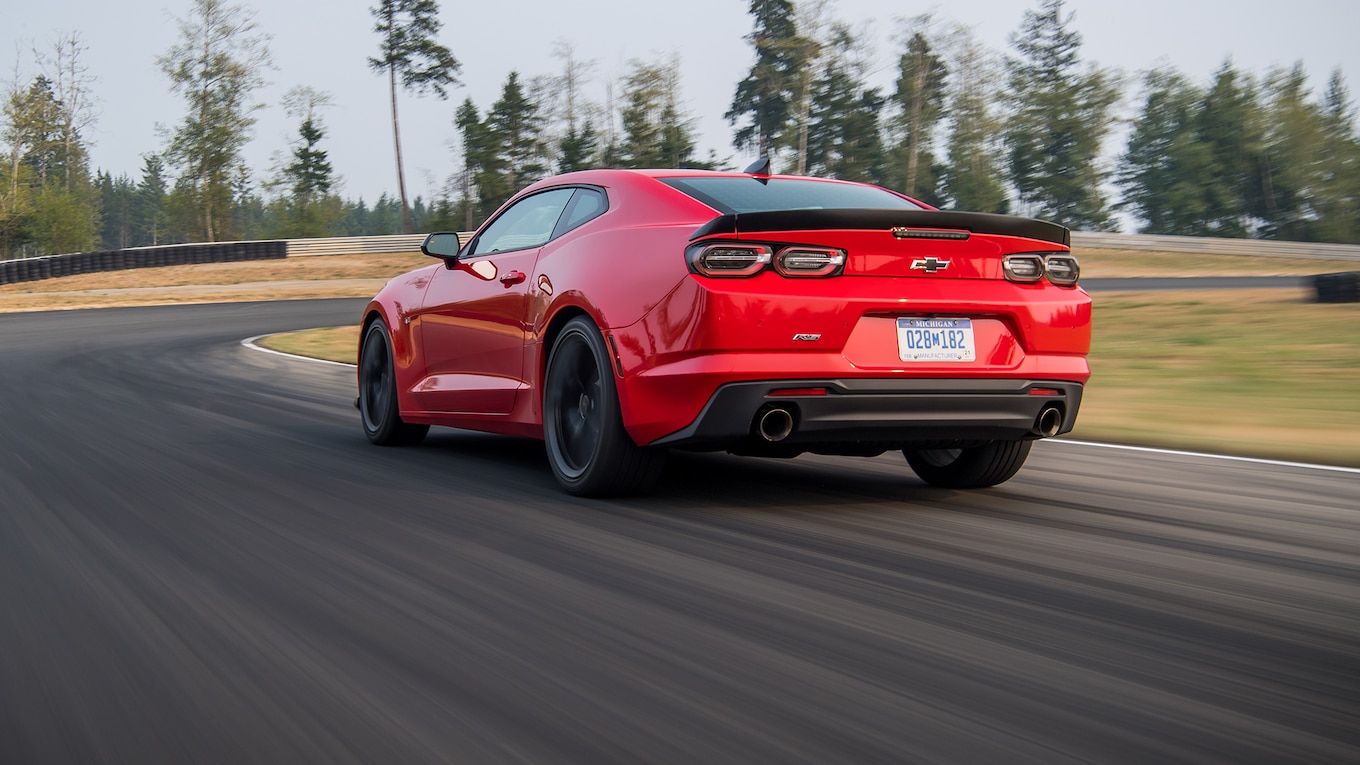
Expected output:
(378, 406)
(973, 467)
(590, 452)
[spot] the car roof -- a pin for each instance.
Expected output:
(604, 174)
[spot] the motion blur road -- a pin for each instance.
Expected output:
(202, 560)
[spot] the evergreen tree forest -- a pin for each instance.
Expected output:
(1027, 130)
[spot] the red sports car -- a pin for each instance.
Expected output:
(617, 314)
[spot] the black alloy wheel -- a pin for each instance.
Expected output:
(590, 452)
(378, 406)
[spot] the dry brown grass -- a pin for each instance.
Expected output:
(1110, 264)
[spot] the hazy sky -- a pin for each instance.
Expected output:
(325, 45)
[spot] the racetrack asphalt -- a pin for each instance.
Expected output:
(202, 560)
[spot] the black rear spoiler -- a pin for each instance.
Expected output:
(886, 220)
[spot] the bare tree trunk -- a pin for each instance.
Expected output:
(207, 208)
(469, 223)
(804, 109)
(203, 180)
(409, 227)
(914, 126)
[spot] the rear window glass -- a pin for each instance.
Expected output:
(737, 194)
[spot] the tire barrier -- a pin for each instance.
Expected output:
(1338, 288)
(34, 269)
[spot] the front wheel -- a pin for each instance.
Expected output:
(378, 406)
(972, 467)
(590, 452)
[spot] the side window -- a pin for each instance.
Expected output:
(528, 223)
(587, 205)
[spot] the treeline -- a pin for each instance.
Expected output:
(1023, 131)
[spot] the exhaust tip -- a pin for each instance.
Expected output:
(774, 424)
(1049, 421)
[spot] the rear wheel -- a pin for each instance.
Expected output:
(590, 452)
(972, 467)
(378, 407)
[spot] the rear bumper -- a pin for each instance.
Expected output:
(888, 412)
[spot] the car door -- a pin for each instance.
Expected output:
(475, 318)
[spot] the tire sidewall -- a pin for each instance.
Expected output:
(379, 426)
(579, 330)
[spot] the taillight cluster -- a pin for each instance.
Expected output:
(1061, 268)
(743, 259)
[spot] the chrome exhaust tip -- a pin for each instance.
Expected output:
(1048, 423)
(774, 424)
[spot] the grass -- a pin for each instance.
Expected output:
(1251, 372)
(1110, 264)
(330, 343)
(1256, 372)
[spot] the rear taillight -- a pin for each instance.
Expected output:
(1025, 269)
(728, 259)
(1061, 268)
(731, 259)
(809, 261)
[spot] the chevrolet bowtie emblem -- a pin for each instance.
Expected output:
(929, 265)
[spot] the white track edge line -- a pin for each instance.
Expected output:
(250, 343)
(1231, 458)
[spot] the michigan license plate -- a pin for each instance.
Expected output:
(935, 340)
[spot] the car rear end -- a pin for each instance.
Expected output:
(853, 330)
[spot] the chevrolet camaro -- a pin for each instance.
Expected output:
(619, 314)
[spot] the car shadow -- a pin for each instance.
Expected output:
(707, 480)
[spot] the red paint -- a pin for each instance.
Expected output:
(474, 350)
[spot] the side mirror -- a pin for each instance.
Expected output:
(441, 245)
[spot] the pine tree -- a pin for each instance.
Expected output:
(16, 175)
(408, 50)
(1292, 168)
(920, 98)
(303, 205)
(149, 205)
(972, 177)
(49, 205)
(118, 197)
(844, 138)
(515, 127)
(579, 142)
(1338, 201)
(218, 63)
(577, 149)
(1059, 121)
(1164, 168)
(38, 125)
(484, 184)
(1230, 130)
(656, 130)
(71, 82)
(764, 99)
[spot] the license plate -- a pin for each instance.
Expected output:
(935, 340)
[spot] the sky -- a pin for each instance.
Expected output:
(325, 45)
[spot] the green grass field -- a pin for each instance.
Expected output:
(1249, 372)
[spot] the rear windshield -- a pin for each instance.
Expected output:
(738, 194)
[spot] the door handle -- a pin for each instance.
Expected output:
(512, 277)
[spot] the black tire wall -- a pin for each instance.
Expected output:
(50, 266)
